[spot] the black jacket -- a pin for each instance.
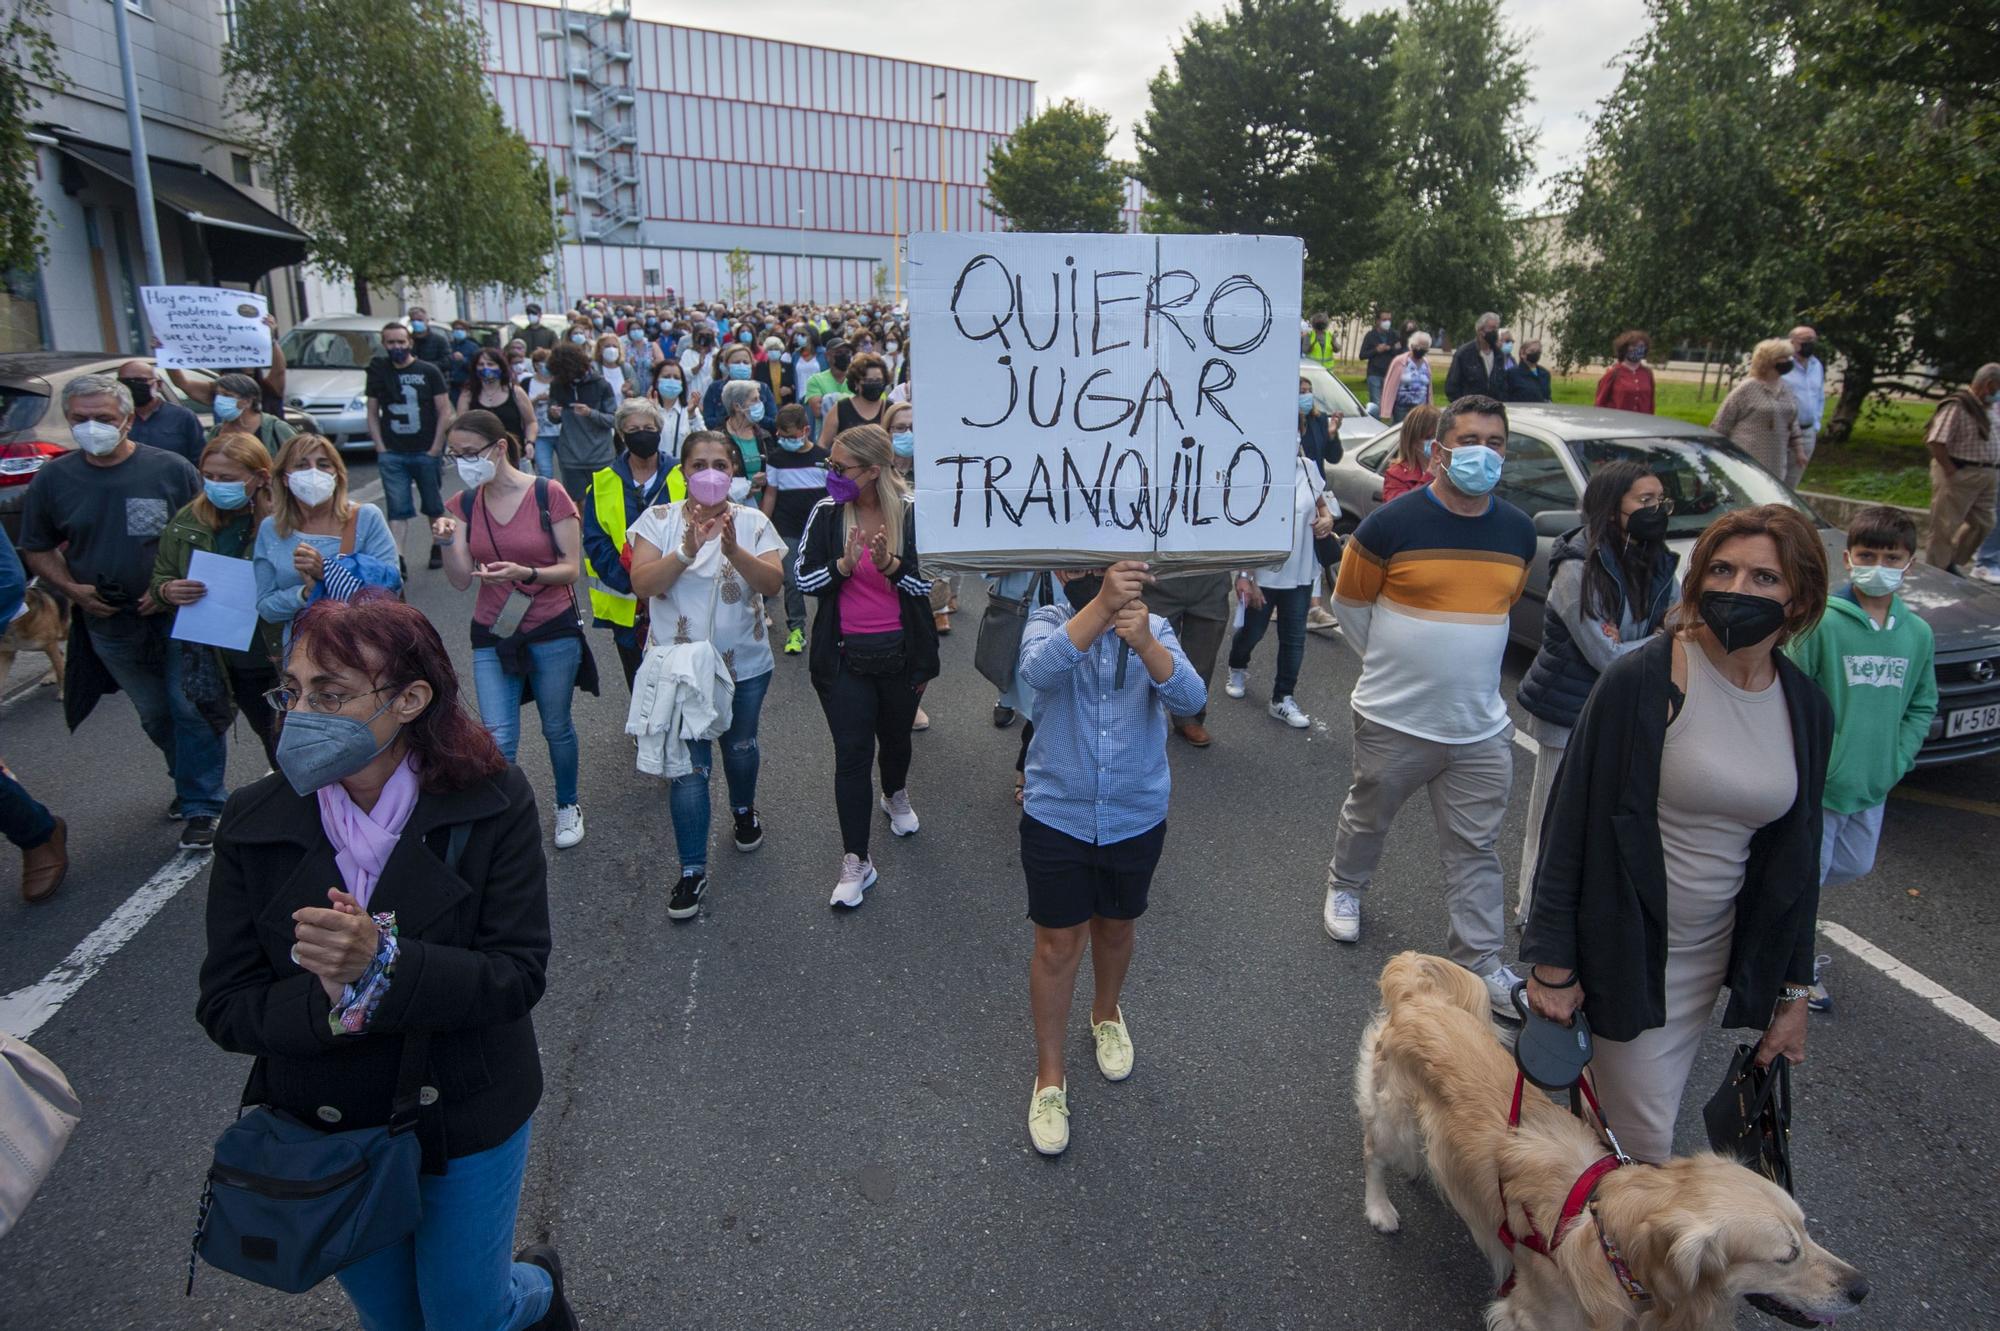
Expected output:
(474, 945)
(1600, 898)
(821, 547)
(1467, 375)
(1559, 678)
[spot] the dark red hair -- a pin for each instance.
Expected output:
(385, 639)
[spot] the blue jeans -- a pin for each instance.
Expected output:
(147, 666)
(457, 1272)
(1375, 390)
(24, 820)
(545, 453)
(687, 796)
(397, 470)
(1290, 604)
(554, 663)
(1989, 553)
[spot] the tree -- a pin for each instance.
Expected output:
(1460, 149)
(1054, 174)
(382, 138)
(29, 59)
(1261, 126)
(741, 289)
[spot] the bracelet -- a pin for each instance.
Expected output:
(534, 576)
(1570, 983)
(681, 554)
(1792, 993)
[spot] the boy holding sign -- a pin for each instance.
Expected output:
(1106, 675)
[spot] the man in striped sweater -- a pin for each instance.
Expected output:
(1425, 587)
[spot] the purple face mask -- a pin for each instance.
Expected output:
(841, 490)
(709, 486)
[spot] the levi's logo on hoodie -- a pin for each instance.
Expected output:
(1882, 672)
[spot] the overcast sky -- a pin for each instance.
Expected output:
(1104, 52)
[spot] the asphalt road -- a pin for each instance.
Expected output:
(777, 1116)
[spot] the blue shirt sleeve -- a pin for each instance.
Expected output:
(13, 581)
(278, 582)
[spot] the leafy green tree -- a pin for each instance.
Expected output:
(741, 289)
(1460, 149)
(1272, 120)
(1054, 174)
(383, 140)
(29, 59)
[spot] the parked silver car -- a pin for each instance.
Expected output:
(326, 369)
(1551, 451)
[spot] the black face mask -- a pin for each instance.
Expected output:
(1738, 619)
(840, 364)
(1807, 349)
(399, 354)
(1647, 524)
(141, 390)
(1491, 339)
(1080, 592)
(873, 392)
(1533, 358)
(642, 443)
(1783, 367)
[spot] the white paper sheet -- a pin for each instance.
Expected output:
(208, 328)
(227, 615)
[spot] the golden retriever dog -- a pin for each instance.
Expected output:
(43, 626)
(1433, 1085)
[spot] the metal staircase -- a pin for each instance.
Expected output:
(598, 58)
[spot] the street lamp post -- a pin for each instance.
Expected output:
(944, 199)
(142, 165)
(802, 252)
(549, 168)
(896, 213)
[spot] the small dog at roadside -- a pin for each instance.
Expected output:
(43, 626)
(1662, 1248)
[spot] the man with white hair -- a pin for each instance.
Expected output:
(1807, 380)
(1479, 368)
(90, 527)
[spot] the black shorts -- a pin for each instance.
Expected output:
(1070, 880)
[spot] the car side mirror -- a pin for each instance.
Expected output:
(1557, 521)
(1372, 409)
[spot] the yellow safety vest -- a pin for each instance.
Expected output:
(1320, 348)
(607, 492)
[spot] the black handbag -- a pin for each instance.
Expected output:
(997, 653)
(874, 653)
(1326, 550)
(1749, 1118)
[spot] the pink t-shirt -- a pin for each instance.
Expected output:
(868, 604)
(520, 540)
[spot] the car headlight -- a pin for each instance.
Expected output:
(359, 404)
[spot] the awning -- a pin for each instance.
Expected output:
(244, 239)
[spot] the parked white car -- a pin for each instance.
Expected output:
(326, 364)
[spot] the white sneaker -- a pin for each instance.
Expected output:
(1985, 573)
(856, 876)
(902, 818)
(569, 825)
(1500, 982)
(1238, 685)
(1342, 915)
(1288, 711)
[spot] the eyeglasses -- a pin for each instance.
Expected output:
(455, 455)
(318, 700)
(1661, 505)
(842, 468)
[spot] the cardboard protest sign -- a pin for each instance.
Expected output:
(208, 328)
(1089, 398)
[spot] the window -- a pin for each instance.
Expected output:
(229, 20)
(239, 167)
(1532, 478)
(1704, 476)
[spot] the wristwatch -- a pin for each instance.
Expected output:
(1792, 993)
(534, 576)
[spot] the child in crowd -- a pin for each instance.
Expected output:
(1107, 676)
(1872, 656)
(797, 481)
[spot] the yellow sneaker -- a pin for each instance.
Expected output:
(1114, 1047)
(1048, 1119)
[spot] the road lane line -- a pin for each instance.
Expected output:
(1943, 801)
(1913, 980)
(1523, 743)
(26, 1010)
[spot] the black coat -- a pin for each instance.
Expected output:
(1467, 375)
(1600, 898)
(474, 944)
(821, 547)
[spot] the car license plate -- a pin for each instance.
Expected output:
(1972, 720)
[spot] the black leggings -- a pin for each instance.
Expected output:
(867, 714)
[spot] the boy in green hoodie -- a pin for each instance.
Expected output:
(1872, 656)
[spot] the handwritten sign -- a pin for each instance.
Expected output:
(208, 328)
(1089, 398)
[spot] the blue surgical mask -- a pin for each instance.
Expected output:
(227, 408)
(1876, 580)
(791, 445)
(418, 326)
(738, 370)
(904, 442)
(1474, 469)
(669, 388)
(316, 750)
(1507, 347)
(226, 494)
(459, 335)
(1305, 403)
(755, 412)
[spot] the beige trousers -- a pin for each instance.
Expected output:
(1961, 512)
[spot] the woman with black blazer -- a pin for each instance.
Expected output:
(1681, 848)
(390, 886)
(874, 642)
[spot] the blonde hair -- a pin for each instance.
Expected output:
(246, 451)
(870, 446)
(1769, 352)
(889, 415)
(287, 514)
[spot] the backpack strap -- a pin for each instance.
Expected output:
(347, 529)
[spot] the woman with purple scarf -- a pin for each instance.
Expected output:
(387, 884)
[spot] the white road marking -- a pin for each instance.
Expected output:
(1523, 743)
(27, 1010)
(1913, 980)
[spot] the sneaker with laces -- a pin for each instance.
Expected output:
(1286, 710)
(1818, 999)
(1114, 1047)
(856, 876)
(198, 833)
(569, 825)
(1048, 1119)
(795, 642)
(1500, 983)
(1239, 683)
(1342, 915)
(174, 809)
(685, 903)
(1319, 619)
(902, 818)
(749, 830)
